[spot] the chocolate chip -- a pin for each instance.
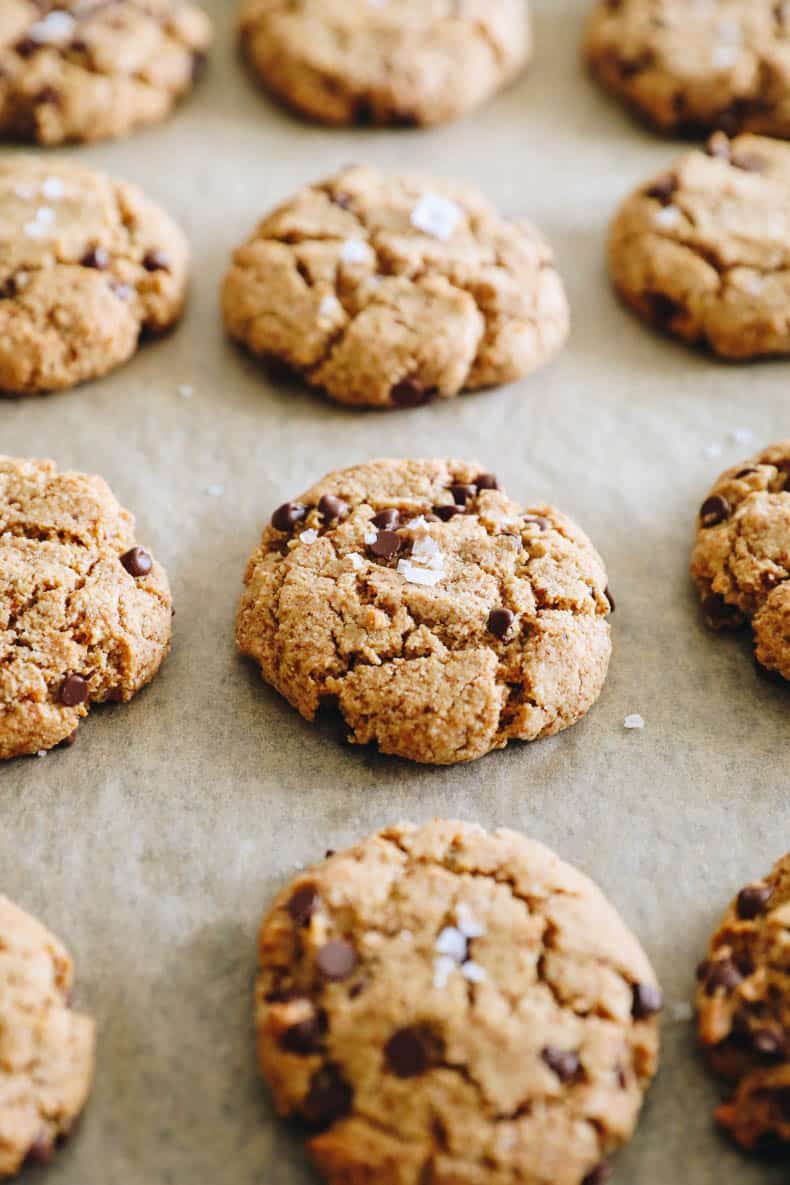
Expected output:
(500, 622)
(26, 47)
(137, 561)
(96, 257)
(564, 1063)
(714, 510)
(536, 520)
(73, 691)
(702, 969)
(407, 1053)
(387, 520)
(408, 393)
(48, 96)
(663, 189)
(600, 1174)
(156, 261)
(463, 493)
(70, 740)
(332, 507)
(647, 1001)
(752, 901)
(330, 1097)
(288, 515)
(385, 545)
(445, 513)
(40, 1151)
(487, 481)
(722, 974)
(746, 472)
(607, 592)
(662, 309)
(719, 614)
(304, 1037)
(303, 904)
(336, 960)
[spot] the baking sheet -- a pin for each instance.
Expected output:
(153, 846)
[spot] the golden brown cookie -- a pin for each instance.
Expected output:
(440, 617)
(741, 561)
(388, 291)
(743, 1001)
(87, 265)
(385, 61)
(441, 1004)
(85, 612)
(88, 69)
(46, 1049)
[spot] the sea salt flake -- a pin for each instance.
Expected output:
(428, 552)
(436, 216)
(667, 217)
(34, 230)
(473, 972)
(452, 943)
(21, 281)
(443, 968)
(634, 721)
(354, 251)
(45, 216)
(330, 306)
(25, 192)
(467, 923)
(41, 752)
(406, 936)
(53, 188)
(357, 561)
(309, 536)
(414, 575)
(724, 56)
(56, 28)
(419, 523)
(371, 535)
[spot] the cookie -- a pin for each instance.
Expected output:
(85, 612)
(46, 1049)
(743, 1002)
(701, 251)
(390, 62)
(82, 70)
(441, 1004)
(440, 618)
(388, 291)
(741, 561)
(693, 68)
(87, 264)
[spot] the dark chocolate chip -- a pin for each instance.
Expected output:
(746, 472)
(408, 393)
(487, 481)
(500, 622)
(336, 960)
(137, 561)
(600, 1174)
(445, 513)
(70, 740)
(607, 592)
(663, 189)
(714, 510)
(73, 691)
(385, 545)
(564, 1063)
(304, 1037)
(719, 614)
(156, 261)
(330, 1097)
(288, 515)
(303, 904)
(662, 309)
(332, 507)
(40, 1151)
(386, 520)
(722, 974)
(463, 493)
(407, 1053)
(752, 901)
(96, 257)
(647, 1001)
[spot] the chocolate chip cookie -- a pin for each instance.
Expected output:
(46, 1049)
(692, 68)
(385, 61)
(702, 251)
(85, 612)
(388, 291)
(743, 1000)
(438, 616)
(741, 560)
(442, 1004)
(87, 265)
(88, 69)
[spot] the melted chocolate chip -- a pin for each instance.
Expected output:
(137, 561)
(607, 592)
(96, 257)
(408, 393)
(746, 472)
(663, 189)
(385, 545)
(564, 1063)
(73, 691)
(752, 901)
(500, 622)
(386, 520)
(647, 1001)
(288, 515)
(714, 510)
(408, 1054)
(336, 960)
(156, 261)
(303, 904)
(304, 1037)
(463, 493)
(330, 1097)
(722, 974)
(332, 507)
(487, 481)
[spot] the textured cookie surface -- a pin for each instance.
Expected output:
(388, 291)
(87, 264)
(390, 62)
(694, 67)
(46, 1049)
(741, 560)
(703, 250)
(743, 1000)
(87, 69)
(440, 617)
(444, 1005)
(85, 614)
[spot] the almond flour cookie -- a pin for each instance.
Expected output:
(87, 264)
(387, 291)
(741, 560)
(691, 68)
(385, 61)
(85, 613)
(87, 69)
(703, 250)
(743, 1000)
(449, 1006)
(437, 615)
(46, 1050)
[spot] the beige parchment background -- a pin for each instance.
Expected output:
(153, 846)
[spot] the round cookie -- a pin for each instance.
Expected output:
(440, 618)
(387, 291)
(741, 561)
(385, 61)
(702, 251)
(82, 70)
(442, 1004)
(46, 1050)
(743, 1002)
(87, 264)
(85, 613)
(692, 68)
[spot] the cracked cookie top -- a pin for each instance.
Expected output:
(436, 614)
(741, 561)
(88, 69)
(388, 291)
(87, 264)
(353, 61)
(445, 1005)
(85, 613)
(703, 250)
(692, 68)
(743, 1003)
(46, 1049)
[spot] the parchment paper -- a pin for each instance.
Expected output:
(153, 846)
